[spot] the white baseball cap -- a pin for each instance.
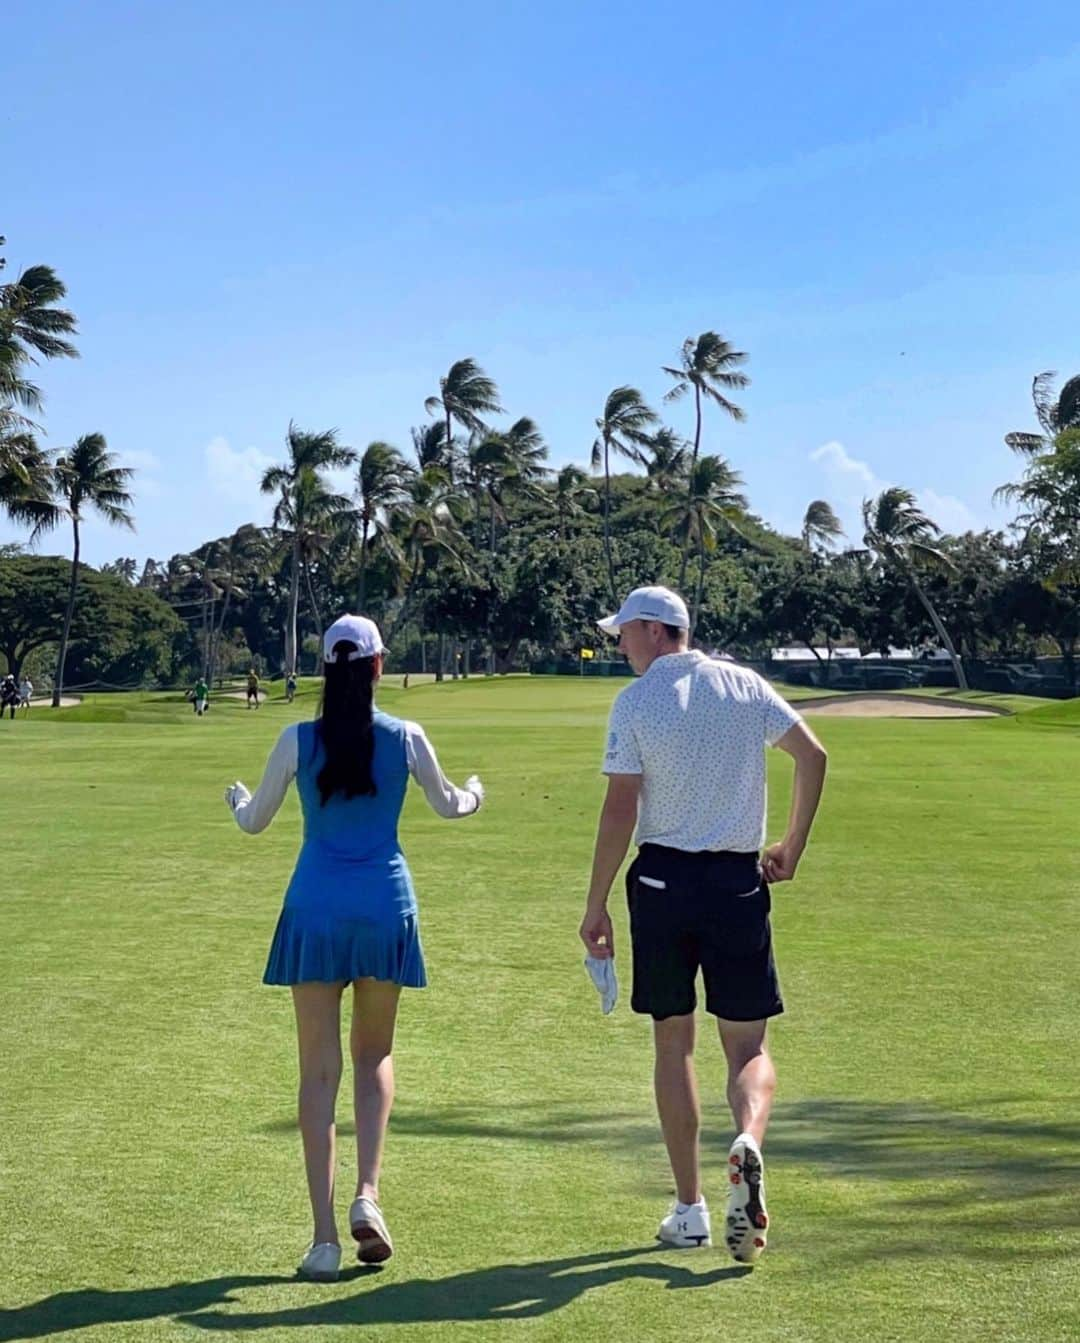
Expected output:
(358, 630)
(649, 604)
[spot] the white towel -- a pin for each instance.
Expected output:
(602, 974)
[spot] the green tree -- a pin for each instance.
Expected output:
(713, 503)
(821, 527)
(708, 366)
(306, 506)
(571, 494)
(1054, 412)
(26, 480)
(382, 482)
(432, 447)
(427, 534)
(901, 536)
(32, 328)
(466, 395)
(85, 477)
(624, 430)
(118, 633)
(666, 458)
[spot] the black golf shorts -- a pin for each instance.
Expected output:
(707, 910)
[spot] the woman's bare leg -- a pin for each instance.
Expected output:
(375, 1005)
(318, 1033)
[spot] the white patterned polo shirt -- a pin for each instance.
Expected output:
(696, 731)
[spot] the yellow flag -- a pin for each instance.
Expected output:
(587, 654)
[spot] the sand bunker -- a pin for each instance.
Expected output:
(242, 694)
(891, 706)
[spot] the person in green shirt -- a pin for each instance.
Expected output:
(202, 695)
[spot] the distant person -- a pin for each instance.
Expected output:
(9, 695)
(26, 693)
(253, 688)
(201, 696)
(685, 761)
(290, 687)
(349, 916)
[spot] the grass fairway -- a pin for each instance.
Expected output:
(925, 1152)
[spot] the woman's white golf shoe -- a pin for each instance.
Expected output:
(322, 1262)
(368, 1227)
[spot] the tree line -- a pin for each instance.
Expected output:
(473, 553)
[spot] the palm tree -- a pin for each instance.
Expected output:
(26, 481)
(426, 532)
(31, 327)
(431, 446)
(571, 485)
(901, 536)
(84, 476)
(709, 365)
(624, 429)
(238, 558)
(381, 482)
(821, 526)
(466, 394)
(713, 502)
(667, 463)
(125, 568)
(304, 502)
(1054, 413)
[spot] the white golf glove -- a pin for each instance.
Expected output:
(474, 786)
(235, 794)
(602, 974)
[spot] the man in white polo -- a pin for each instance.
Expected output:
(685, 761)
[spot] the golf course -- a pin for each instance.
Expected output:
(924, 1154)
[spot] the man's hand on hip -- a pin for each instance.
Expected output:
(596, 933)
(779, 861)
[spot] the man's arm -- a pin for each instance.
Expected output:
(779, 861)
(617, 820)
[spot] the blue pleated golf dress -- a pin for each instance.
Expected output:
(350, 909)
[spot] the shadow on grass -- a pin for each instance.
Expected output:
(79, 1310)
(501, 1292)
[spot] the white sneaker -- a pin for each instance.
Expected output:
(321, 1262)
(688, 1229)
(369, 1230)
(747, 1219)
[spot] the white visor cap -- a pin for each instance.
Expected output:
(358, 630)
(649, 604)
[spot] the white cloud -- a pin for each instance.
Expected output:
(235, 472)
(847, 469)
(850, 481)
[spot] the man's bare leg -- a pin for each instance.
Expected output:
(677, 1102)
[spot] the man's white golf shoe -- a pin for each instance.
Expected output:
(688, 1229)
(746, 1221)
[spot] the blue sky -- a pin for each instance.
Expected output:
(267, 212)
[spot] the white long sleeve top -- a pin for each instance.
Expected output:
(255, 812)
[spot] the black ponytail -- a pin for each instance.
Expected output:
(344, 725)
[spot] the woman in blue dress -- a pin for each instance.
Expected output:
(349, 915)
